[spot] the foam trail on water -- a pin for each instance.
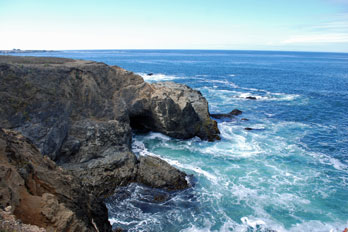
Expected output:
(117, 221)
(139, 148)
(158, 77)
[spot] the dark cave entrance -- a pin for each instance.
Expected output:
(141, 123)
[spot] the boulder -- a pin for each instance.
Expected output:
(157, 173)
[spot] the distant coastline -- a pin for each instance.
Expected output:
(24, 51)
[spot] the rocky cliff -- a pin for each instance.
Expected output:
(81, 113)
(37, 191)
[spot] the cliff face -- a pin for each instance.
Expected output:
(80, 114)
(43, 194)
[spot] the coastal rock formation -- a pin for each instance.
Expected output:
(157, 173)
(81, 115)
(231, 114)
(175, 110)
(9, 222)
(38, 192)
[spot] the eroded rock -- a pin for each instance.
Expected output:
(43, 194)
(80, 114)
(157, 173)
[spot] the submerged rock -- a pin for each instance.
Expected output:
(231, 114)
(235, 112)
(251, 98)
(248, 128)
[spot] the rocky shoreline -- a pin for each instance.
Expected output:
(66, 138)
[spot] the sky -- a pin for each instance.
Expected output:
(290, 25)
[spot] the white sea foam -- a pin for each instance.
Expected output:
(252, 223)
(139, 148)
(268, 96)
(264, 224)
(117, 221)
(158, 77)
(193, 168)
(160, 136)
(246, 183)
(225, 83)
(220, 83)
(193, 228)
(317, 226)
(328, 160)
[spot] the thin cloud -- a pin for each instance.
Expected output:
(318, 38)
(337, 24)
(332, 30)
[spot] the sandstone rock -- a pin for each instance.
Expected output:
(41, 193)
(8, 222)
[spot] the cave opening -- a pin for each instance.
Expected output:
(141, 123)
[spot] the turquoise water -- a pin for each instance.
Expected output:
(288, 174)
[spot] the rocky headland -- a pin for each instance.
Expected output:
(67, 131)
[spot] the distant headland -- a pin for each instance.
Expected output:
(23, 51)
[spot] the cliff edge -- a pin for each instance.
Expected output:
(80, 114)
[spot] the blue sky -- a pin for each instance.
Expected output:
(307, 25)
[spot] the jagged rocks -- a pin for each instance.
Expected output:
(178, 111)
(80, 114)
(43, 194)
(8, 222)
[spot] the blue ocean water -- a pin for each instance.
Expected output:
(288, 174)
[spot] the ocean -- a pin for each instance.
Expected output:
(290, 173)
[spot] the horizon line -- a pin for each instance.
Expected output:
(168, 49)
